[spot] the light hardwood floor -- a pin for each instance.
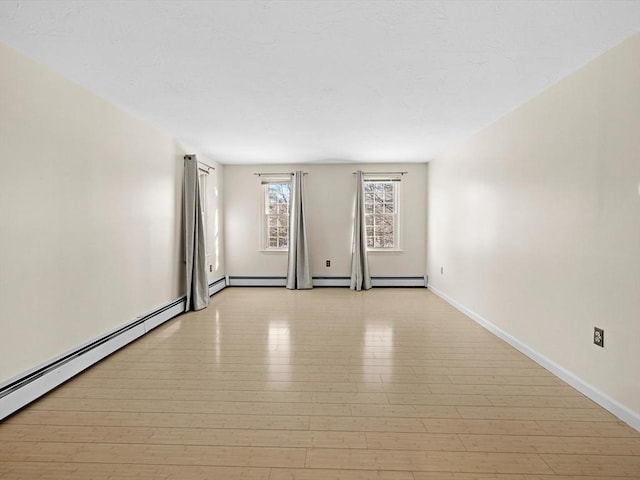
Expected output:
(274, 384)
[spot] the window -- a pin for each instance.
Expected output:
(276, 198)
(381, 213)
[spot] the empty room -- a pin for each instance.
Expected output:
(321, 239)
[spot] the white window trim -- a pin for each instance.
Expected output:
(397, 224)
(203, 180)
(264, 247)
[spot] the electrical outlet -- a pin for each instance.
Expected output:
(328, 263)
(441, 270)
(598, 336)
(211, 268)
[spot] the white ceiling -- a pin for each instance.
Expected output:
(317, 81)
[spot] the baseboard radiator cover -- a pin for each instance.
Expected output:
(331, 282)
(217, 285)
(398, 282)
(621, 411)
(19, 391)
(256, 281)
(275, 281)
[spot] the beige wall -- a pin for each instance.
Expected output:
(329, 209)
(90, 209)
(536, 222)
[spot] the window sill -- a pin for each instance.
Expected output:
(386, 250)
(272, 250)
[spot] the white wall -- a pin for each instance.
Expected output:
(90, 215)
(329, 208)
(536, 221)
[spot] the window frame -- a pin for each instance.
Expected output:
(203, 180)
(265, 215)
(396, 181)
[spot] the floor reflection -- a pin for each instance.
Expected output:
(278, 351)
(378, 339)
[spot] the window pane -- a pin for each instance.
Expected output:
(284, 192)
(378, 219)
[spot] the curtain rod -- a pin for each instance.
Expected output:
(277, 174)
(383, 173)
(206, 165)
(199, 162)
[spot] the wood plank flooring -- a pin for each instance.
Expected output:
(272, 384)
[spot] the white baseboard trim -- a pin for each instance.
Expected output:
(605, 401)
(19, 391)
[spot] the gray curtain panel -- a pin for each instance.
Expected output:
(194, 239)
(360, 277)
(298, 271)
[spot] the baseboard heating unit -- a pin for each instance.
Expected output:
(19, 391)
(274, 281)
